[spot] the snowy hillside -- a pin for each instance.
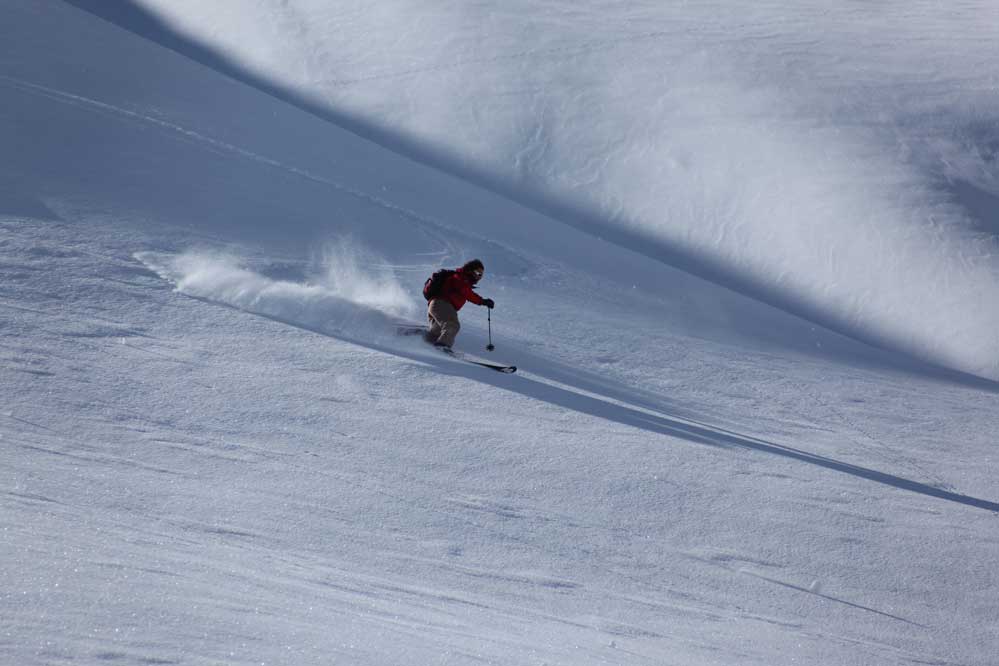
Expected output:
(216, 449)
(836, 161)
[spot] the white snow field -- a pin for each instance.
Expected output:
(744, 256)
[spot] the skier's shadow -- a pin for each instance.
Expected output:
(685, 428)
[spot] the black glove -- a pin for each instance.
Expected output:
(488, 302)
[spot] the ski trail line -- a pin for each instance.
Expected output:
(218, 145)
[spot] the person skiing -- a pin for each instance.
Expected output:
(442, 311)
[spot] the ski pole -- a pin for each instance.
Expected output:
(489, 319)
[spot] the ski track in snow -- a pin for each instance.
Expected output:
(188, 134)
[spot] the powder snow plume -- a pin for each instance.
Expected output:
(348, 292)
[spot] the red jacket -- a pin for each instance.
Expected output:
(457, 289)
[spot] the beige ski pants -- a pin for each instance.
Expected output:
(443, 320)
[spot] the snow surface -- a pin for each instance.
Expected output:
(215, 449)
(836, 161)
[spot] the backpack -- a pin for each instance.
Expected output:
(432, 287)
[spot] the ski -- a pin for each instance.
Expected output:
(461, 356)
(498, 367)
(416, 329)
(506, 369)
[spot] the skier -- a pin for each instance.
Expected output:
(442, 311)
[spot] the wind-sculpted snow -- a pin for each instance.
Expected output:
(837, 162)
(341, 296)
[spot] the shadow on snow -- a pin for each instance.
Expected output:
(704, 434)
(602, 407)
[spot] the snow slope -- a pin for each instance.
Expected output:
(215, 449)
(838, 162)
